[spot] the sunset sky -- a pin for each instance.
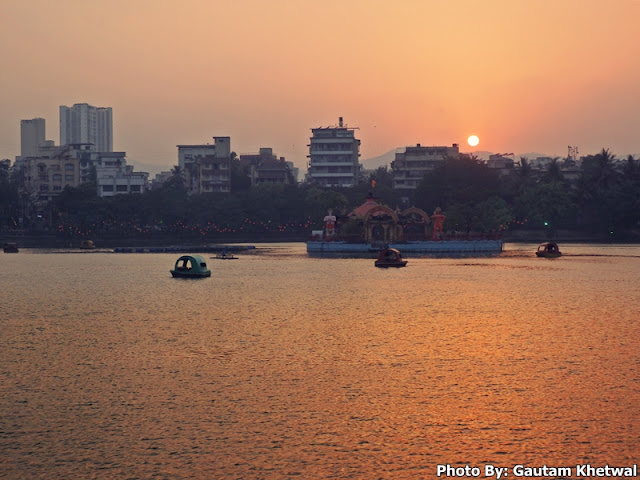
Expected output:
(523, 76)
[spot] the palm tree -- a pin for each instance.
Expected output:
(524, 174)
(177, 180)
(594, 186)
(631, 169)
(604, 168)
(554, 173)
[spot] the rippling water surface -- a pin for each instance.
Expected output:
(285, 366)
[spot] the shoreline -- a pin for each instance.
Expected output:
(46, 240)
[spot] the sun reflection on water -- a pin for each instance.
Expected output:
(282, 365)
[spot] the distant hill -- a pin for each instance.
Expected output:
(483, 155)
(532, 155)
(380, 160)
(387, 158)
(153, 170)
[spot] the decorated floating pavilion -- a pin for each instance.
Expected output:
(373, 226)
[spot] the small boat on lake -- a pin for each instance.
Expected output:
(191, 266)
(224, 255)
(390, 257)
(87, 245)
(549, 250)
(10, 247)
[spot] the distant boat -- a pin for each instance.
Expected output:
(390, 257)
(548, 250)
(87, 245)
(224, 256)
(190, 266)
(10, 247)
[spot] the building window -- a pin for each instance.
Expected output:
(57, 188)
(121, 188)
(44, 188)
(107, 188)
(68, 178)
(57, 177)
(135, 188)
(68, 167)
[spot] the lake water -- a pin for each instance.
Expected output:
(284, 366)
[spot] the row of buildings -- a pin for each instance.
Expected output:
(207, 168)
(86, 153)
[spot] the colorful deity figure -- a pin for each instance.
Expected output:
(330, 225)
(438, 222)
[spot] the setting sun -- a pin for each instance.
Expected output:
(473, 140)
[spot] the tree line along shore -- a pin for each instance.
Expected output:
(601, 205)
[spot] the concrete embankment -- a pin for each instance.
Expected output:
(44, 240)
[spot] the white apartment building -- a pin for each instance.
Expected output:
(334, 154)
(206, 168)
(56, 167)
(412, 163)
(120, 179)
(86, 124)
(46, 175)
(32, 136)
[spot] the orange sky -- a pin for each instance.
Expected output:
(524, 76)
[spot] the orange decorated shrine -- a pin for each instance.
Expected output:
(373, 226)
(381, 225)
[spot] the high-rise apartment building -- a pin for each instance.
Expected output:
(32, 136)
(86, 124)
(334, 154)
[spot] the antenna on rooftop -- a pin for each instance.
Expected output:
(340, 121)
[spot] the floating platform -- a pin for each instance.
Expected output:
(443, 246)
(185, 249)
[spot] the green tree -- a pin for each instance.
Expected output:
(318, 201)
(458, 181)
(176, 183)
(631, 169)
(9, 195)
(240, 179)
(521, 178)
(75, 199)
(599, 171)
(547, 205)
(598, 176)
(492, 215)
(553, 172)
(382, 177)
